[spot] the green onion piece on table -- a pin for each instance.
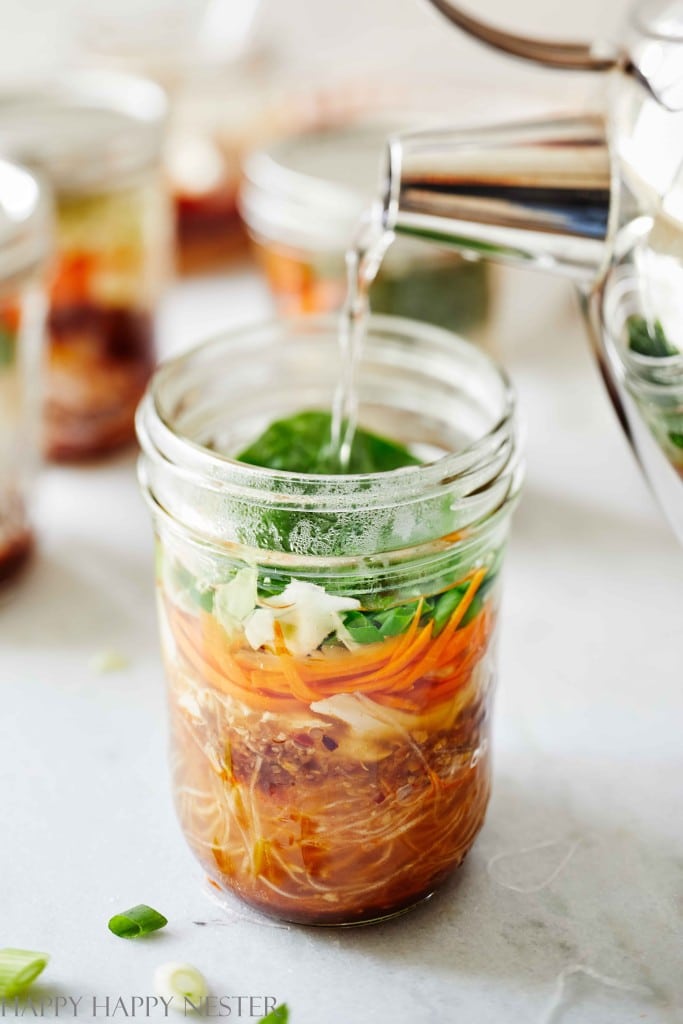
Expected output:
(140, 920)
(182, 981)
(280, 1015)
(19, 968)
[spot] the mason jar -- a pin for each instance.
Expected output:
(97, 136)
(641, 309)
(330, 641)
(301, 201)
(24, 242)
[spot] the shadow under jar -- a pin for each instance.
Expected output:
(97, 137)
(24, 239)
(329, 641)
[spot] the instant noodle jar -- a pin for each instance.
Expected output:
(301, 201)
(97, 136)
(24, 239)
(329, 640)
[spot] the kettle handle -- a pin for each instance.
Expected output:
(568, 56)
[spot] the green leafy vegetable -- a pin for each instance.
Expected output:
(19, 968)
(649, 339)
(280, 1015)
(676, 438)
(453, 293)
(196, 595)
(361, 628)
(8, 348)
(396, 620)
(140, 920)
(301, 444)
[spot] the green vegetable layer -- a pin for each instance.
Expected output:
(302, 444)
(649, 339)
(8, 347)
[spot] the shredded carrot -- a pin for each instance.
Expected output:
(409, 671)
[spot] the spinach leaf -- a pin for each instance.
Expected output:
(649, 340)
(301, 444)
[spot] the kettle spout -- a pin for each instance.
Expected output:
(535, 194)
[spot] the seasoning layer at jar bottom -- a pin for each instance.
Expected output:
(99, 363)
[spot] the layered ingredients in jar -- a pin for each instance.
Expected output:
(330, 724)
(16, 539)
(101, 337)
(95, 137)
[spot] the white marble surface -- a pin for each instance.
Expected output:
(588, 739)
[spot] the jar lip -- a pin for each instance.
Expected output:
(290, 196)
(86, 130)
(158, 435)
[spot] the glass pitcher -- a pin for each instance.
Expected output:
(597, 199)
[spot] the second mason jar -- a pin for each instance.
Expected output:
(329, 640)
(97, 137)
(302, 200)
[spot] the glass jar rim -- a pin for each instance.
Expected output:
(86, 130)
(290, 196)
(154, 424)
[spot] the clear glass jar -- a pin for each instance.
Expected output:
(329, 641)
(97, 136)
(24, 241)
(301, 201)
(638, 310)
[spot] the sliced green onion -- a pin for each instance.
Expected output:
(138, 920)
(181, 980)
(280, 1015)
(18, 969)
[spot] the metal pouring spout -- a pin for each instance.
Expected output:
(536, 194)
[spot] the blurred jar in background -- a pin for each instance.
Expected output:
(222, 99)
(302, 200)
(24, 240)
(217, 118)
(98, 137)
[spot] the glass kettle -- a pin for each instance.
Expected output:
(597, 199)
